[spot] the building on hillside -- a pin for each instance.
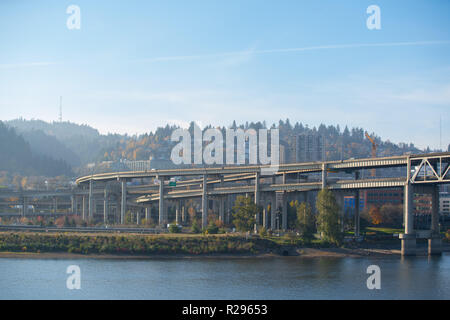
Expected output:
(309, 148)
(284, 153)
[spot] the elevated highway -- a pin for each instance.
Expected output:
(421, 171)
(112, 194)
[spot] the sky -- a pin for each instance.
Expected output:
(136, 65)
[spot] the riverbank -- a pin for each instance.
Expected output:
(302, 253)
(30, 245)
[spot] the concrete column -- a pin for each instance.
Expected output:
(229, 208)
(357, 217)
(72, 204)
(162, 214)
(177, 212)
(340, 201)
(408, 238)
(105, 206)
(435, 242)
(408, 208)
(55, 205)
(91, 199)
(273, 211)
(117, 212)
(324, 175)
(183, 213)
(75, 204)
(84, 208)
(147, 214)
(24, 206)
(138, 217)
(257, 196)
(222, 209)
(265, 217)
(214, 205)
(356, 212)
(205, 202)
(123, 202)
(284, 211)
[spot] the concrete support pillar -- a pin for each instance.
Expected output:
(91, 200)
(72, 204)
(356, 212)
(273, 210)
(408, 238)
(214, 205)
(435, 242)
(162, 210)
(84, 204)
(284, 216)
(55, 205)
(117, 212)
(357, 216)
(147, 214)
(177, 213)
(324, 175)
(265, 217)
(138, 217)
(123, 202)
(340, 201)
(75, 205)
(183, 213)
(24, 206)
(257, 196)
(222, 209)
(205, 202)
(229, 209)
(105, 206)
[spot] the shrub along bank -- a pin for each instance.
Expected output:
(133, 244)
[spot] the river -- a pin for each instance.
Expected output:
(220, 278)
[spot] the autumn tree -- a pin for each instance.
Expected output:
(375, 215)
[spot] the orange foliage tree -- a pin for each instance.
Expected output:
(375, 215)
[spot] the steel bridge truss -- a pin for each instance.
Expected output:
(430, 169)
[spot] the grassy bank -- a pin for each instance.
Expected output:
(133, 244)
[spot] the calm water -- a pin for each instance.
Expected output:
(277, 278)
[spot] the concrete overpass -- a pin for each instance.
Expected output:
(416, 173)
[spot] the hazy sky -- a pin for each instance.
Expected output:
(136, 65)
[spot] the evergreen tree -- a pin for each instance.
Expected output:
(244, 212)
(306, 221)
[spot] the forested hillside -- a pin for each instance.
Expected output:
(81, 144)
(47, 145)
(339, 144)
(16, 156)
